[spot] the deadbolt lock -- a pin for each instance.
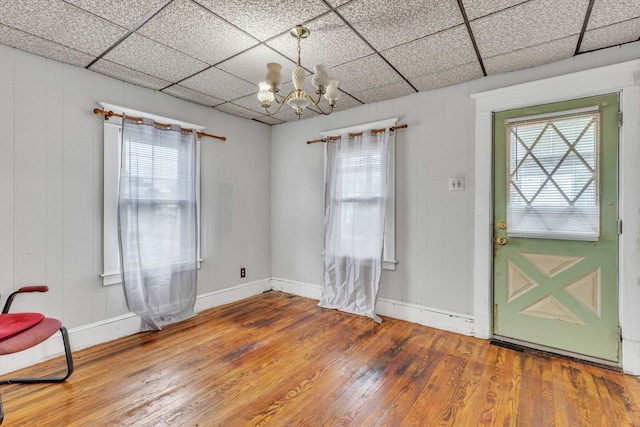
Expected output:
(501, 241)
(502, 225)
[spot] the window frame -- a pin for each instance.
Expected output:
(112, 131)
(389, 246)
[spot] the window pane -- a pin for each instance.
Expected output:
(553, 178)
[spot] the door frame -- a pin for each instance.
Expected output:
(623, 78)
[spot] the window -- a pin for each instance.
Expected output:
(553, 176)
(361, 190)
(166, 198)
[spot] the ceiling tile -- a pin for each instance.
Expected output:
(365, 73)
(331, 42)
(252, 64)
(220, 84)
(288, 114)
(531, 56)
(61, 23)
(264, 19)
(432, 53)
(477, 8)
(38, 46)
(383, 92)
(125, 13)
(528, 24)
(611, 35)
(448, 77)
(202, 34)
(345, 102)
(607, 12)
(192, 95)
(237, 110)
(250, 102)
(336, 3)
(123, 73)
(385, 24)
(145, 55)
(270, 120)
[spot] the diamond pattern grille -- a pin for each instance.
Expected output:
(552, 173)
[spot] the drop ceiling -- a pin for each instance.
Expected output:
(214, 52)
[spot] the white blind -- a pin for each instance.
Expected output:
(553, 177)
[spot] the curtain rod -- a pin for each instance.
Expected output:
(351, 135)
(107, 114)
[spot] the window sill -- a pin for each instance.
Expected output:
(389, 265)
(110, 279)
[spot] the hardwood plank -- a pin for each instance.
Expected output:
(280, 360)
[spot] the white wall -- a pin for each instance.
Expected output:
(435, 231)
(51, 190)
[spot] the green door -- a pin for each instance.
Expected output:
(556, 226)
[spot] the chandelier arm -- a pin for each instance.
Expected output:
(314, 102)
(281, 103)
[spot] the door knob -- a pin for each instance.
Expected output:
(501, 241)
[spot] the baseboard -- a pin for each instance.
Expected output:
(440, 319)
(117, 327)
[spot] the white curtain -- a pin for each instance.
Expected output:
(356, 179)
(157, 222)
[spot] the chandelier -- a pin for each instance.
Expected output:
(298, 98)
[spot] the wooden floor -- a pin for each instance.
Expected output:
(279, 360)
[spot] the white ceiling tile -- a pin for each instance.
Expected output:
(448, 77)
(289, 114)
(386, 24)
(531, 56)
(432, 53)
(201, 33)
(345, 102)
(478, 8)
(126, 13)
(384, 92)
(528, 24)
(220, 84)
(331, 42)
(611, 35)
(607, 12)
(264, 19)
(365, 73)
(61, 23)
(270, 120)
(143, 54)
(38, 46)
(237, 110)
(251, 102)
(123, 73)
(192, 95)
(252, 64)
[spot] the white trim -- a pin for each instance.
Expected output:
(118, 327)
(136, 113)
(440, 319)
(359, 128)
(609, 79)
(575, 111)
(307, 290)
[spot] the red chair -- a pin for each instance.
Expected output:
(20, 331)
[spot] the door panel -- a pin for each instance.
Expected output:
(555, 270)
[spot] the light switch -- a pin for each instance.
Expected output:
(456, 183)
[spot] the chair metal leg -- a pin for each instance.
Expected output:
(69, 359)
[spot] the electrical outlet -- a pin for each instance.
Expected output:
(243, 272)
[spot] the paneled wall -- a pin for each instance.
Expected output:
(51, 187)
(434, 227)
